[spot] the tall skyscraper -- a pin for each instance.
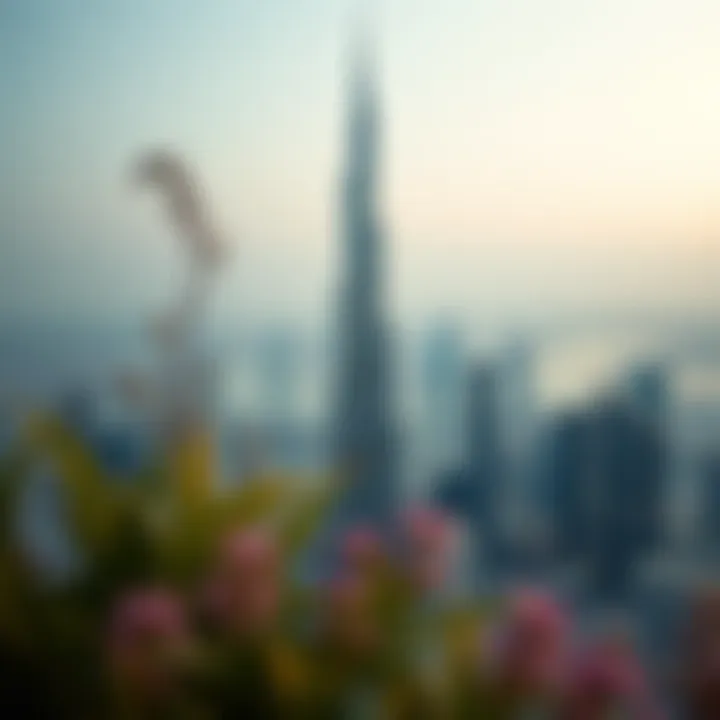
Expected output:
(485, 464)
(605, 485)
(364, 439)
(569, 476)
(520, 502)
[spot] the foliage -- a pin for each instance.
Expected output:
(187, 602)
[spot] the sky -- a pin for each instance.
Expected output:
(540, 156)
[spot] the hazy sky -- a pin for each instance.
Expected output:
(539, 154)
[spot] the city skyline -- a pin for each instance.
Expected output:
(356, 329)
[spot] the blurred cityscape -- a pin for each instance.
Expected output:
(611, 493)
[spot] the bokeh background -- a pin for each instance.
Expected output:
(465, 251)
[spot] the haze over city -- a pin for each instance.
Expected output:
(360, 359)
(535, 155)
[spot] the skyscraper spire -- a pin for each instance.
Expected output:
(364, 443)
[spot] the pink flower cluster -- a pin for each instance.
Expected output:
(242, 592)
(366, 558)
(149, 633)
(530, 652)
(429, 542)
(534, 654)
(607, 678)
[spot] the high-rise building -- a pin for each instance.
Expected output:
(364, 443)
(442, 371)
(567, 482)
(650, 399)
(648, 391)
(520, 512)
(606, 479)
(484, 463)
(710, 514)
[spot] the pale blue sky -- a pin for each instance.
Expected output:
(537, 151)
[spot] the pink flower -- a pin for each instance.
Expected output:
(148, 633)
(608, 678)
(536, 616)
(427, 573)
(347, 594)
(428, 541)
(151, 614)
(362, 546)
(349, 622)
(250, 553)
(531, 646)
(242, 593)
(700, 656)
(426, 530)
(701, 677)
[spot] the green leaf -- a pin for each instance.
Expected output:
(92, 505)
(192, 469)
(310, 507)
(14, 468)
(258, 499)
